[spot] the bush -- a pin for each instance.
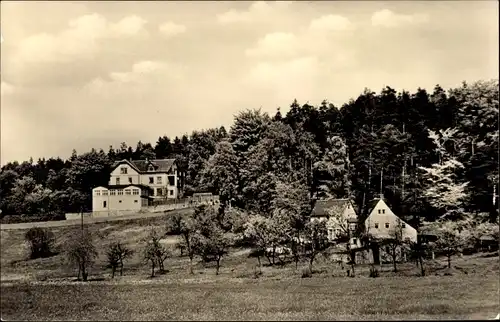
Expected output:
(41, 242)
(306, 272)
(374, 272)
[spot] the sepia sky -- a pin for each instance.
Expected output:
(91, 74)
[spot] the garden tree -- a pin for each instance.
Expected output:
(82, 252)
(210, 241)
(317, 240)
(155, 253)
(451, 239)
(40, 241)
(116, 254)
(186, 227)
(261, 234)
(163, 148)
(442, 192)
(343, 235)
(221, 171)
(395, 244)
(332, 171)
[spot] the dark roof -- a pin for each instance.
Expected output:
(160, 165)
(336, 206)
(371, 205)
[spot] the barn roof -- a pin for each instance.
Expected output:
(336, 206)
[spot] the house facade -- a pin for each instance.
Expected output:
(331, 211)
(160, 175)
(135, 184)
(382, 223)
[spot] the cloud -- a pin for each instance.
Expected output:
(276, 44)
(171, 29)
(330, 23)
(80, 40)
(256, 10)
(6, 88)
(322, 35)
(389, 19)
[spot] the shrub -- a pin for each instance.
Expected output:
(374, 272)
(41, 242)
(306, 272)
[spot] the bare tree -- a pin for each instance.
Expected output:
(116, 254)
(82, 252)
(154, 252)
(450, 240)
(317, 243)
(184, 226)
(394, 244)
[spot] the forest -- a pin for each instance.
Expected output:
(433, 155)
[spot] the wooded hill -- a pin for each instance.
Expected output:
(436, 153)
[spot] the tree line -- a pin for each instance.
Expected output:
(432, 155)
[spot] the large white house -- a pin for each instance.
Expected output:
(383, 223)
(133, 184)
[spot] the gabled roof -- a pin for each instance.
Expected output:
(371, 205)
(337, 206)
(141, 166)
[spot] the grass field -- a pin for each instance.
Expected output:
(44, 289)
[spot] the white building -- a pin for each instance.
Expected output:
(382, 223)
(133, 184)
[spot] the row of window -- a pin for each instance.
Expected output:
(403, 225)
(159, 180)
(123, 170)
(119, 192)
(105, 204)
(159, 192)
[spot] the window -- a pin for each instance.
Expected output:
(151, 180)
(171, 180)
(376, 225)
(135, 192)
(104, 204)
(354, 241)
(379, 211)
(129, 179)
(105, 192)
(151, 168)
(117, 181)
(386, 225)
(123, 170)
(135, 201)
(120, 192)
(128, 192)
(171, 192)
(158, 180)
(352, 226)
(112, 192)
(98, 192)
(383, 211)
(119, 201)
(159, 191)
(403, 225)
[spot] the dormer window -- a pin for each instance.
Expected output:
(151, 168)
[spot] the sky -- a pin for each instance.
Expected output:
(82, 75)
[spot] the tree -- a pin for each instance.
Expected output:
(82, 253)
(186, 227)
(263, 234)
(332, 171)
(210, 242)
(41, 242)
(155, 253)
(442, 191)
(317, 240)
(395, 243)
(343, 233)
(116, 254)
(451, 240)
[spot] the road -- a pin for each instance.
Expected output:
(62, 223)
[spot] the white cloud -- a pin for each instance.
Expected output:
(256, 10)
(276, 44)
(80, 40)
(171, 29)
(387, 18)
(6, 88)
(330, 23)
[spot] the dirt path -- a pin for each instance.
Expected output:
(62, 223)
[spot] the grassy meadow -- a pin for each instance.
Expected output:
(45, 289)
